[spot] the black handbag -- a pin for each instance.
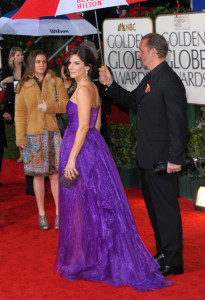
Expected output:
(62, 119)
(67, 182)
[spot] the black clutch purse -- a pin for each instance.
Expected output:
(67, 182)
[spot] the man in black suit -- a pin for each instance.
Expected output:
(161, 105)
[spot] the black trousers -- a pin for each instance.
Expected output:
(1, 157)
(160, 196)
(29, 184)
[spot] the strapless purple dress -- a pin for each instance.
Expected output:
(98, 239)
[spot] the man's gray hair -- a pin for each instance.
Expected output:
(157, 41)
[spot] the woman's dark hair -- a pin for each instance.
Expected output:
(157, 41)
(30, 62)
(30, 67)
(87, 56)
(65, 70)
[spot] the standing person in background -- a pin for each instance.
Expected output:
(36, 131)
(3, 143)
(69, 83)
(10, 76)
(121, 10)
(70, 87)
(160, 101)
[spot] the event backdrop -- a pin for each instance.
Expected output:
(185, 35)
(121, 38)
(186, 38)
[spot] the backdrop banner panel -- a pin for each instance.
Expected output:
(185, 35)
(121, 38)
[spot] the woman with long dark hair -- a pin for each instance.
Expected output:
(37, 131)
(98, 239)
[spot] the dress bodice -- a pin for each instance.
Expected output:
(72, 112)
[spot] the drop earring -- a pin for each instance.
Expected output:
(31, 75)
(86, 75)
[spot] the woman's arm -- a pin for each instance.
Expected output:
(84, 110)
(6, 76)
(6, 80)
(20, 120)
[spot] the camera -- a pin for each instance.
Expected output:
(161, 167)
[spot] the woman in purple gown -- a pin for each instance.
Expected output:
(98, 239)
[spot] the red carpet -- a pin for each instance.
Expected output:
(27, 254)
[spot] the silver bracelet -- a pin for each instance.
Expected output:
(2, 85)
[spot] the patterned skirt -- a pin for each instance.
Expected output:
(41, 156)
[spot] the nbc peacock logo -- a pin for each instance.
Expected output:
(126, 27)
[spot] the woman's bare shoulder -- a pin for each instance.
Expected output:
(88, 91)
(86, 88)
(83, 90)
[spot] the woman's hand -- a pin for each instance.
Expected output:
(42, 106)
(8, 80)
(22, 146)
(70, 169)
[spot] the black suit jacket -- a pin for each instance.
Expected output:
(161, 115)
(9, 96)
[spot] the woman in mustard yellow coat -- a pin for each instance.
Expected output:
(37, 131)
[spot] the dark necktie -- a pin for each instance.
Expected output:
(147, 77)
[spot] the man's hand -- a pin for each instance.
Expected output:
(7, 116)
(172, 168)
(105, 76)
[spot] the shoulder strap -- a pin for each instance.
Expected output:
(56, 94)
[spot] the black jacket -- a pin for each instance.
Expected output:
(161, 115)
(9, 96)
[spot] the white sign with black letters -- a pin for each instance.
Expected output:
(121, 38)
(185, 35)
